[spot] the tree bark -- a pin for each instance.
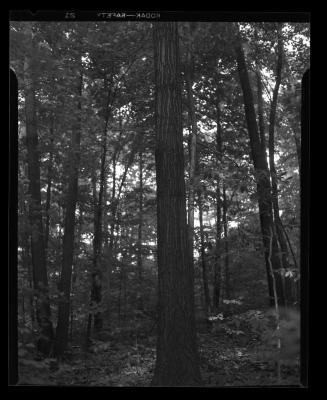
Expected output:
(49, 184)
(207, 301)
(262, 178)
(27, 264)
(297, 139)
(40, 279)
(96, 291)
(69, 227)
(262, 129)
(140, 231)
(177, 362)
(273, 174)
(217, 270)
(189, 75)
(226, 255)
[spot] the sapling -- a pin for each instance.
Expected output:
(277, 314)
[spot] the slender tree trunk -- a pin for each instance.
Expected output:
(109, 240)
(262, 128)
(217, 271)
(93, 275)
(125, 280)
(226, 255)
(69, 227)
(273, 172)
(106, 256)
(71, 308)
(262, 178)
(297, 139)
(140, 228)
(177, 362)
(207, 301)
(115, 198)
(75, 270)
(26, 261)
(40, 279)
(96, 292)
(49, 184)
(189, 75)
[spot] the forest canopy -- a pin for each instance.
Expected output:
(159, 205)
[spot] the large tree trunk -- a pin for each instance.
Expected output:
(262, 179)
(177, 362)
(69, 227)
(40, 279)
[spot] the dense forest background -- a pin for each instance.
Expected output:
(159, 202)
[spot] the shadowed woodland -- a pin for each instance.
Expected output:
(159, 202)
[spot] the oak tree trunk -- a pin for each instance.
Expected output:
(177, 362)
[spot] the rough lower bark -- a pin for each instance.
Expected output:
(177, 362)
(69, 227)
(40, 279)
(262, 178)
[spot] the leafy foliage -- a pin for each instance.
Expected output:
(118, 86)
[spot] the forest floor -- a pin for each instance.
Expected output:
(126, 360)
